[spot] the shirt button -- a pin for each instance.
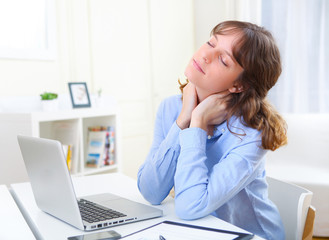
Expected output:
(223, 130)
(209, 136)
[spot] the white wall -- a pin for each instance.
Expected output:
(31, 77)
(136, 58)
(120, 53)
(172, 44)
(134, 50)
(208, 13)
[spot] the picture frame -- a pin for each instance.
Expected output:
(79, 94)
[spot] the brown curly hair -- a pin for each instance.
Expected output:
(258, 55)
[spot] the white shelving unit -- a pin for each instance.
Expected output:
(67, 126)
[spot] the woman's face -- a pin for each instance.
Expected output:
(213, 68)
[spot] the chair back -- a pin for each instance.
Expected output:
(293, 203)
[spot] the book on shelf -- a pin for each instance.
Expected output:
(101, 146)
(66, 132)
(68, 155)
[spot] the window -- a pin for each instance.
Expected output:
(301, 28)
(27, 29)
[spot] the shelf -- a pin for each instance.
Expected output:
(70, 114)
(70, 127)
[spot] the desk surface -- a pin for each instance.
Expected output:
(48, 227)
(11, 219)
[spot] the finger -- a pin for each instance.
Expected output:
(191, 85)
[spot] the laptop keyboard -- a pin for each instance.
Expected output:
(91, 212)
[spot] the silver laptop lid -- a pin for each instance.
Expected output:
(50, 178)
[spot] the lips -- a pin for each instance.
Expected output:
(197, 66)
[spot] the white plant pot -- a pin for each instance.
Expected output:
(49, 105)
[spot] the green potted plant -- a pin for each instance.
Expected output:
(49, 101)
(48, 96)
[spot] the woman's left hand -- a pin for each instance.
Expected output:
(211, 111)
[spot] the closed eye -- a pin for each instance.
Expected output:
(221, 59)
(210, 44)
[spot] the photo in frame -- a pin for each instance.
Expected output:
(79, 94)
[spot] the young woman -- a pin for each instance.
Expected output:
(210, 142)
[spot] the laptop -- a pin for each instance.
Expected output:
(54, 193)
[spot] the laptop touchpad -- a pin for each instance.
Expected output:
(127, 207)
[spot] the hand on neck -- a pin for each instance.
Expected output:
(202, 95)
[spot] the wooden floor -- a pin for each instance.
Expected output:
(320, 238)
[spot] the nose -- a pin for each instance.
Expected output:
(207, 56)
(205, 59)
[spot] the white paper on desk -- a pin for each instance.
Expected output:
(174, 232)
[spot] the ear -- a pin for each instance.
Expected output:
(236, 88)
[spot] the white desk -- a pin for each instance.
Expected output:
(48, 227)
(12, 223)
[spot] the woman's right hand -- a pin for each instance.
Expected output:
(190, 101)
(211, 111)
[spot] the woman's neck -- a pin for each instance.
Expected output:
(202, 95)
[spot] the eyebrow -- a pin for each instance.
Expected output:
(227, 52)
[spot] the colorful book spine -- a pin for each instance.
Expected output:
(112, 145)
(101, 145)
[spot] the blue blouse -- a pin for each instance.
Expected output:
(222, 175)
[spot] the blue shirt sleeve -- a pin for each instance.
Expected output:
(200, 191)
(155, 177)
